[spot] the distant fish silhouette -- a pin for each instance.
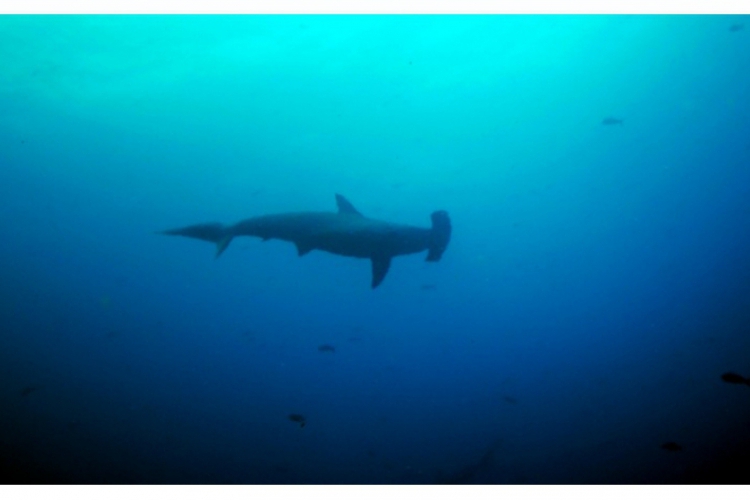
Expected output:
(296, 417)
(326, 348)
(111, 334)
(671, 446)
(733, 378)
(611, 120)
(281, 468)
(468, 473)
(428, 286)
(29, 389)
(510, 400)
(736, 27)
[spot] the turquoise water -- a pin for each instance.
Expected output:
(595, 289)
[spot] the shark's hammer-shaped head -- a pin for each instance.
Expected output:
(440, 236)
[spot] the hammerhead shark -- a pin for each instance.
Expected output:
(346, 232)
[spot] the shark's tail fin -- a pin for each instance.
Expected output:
(213, 232)
(441, 235)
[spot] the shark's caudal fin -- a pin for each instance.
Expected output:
(213, 232)
(440, 236)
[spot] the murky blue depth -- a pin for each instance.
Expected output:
(597, 286)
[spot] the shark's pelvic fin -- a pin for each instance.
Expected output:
(345, 206)
(303, 248)
(380, 267)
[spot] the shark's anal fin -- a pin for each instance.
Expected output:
(302, 248)
(345, 206)
(380, 267)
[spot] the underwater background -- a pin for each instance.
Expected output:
(597, 173)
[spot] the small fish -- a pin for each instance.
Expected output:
(733, 378)
(611, 120)
(326, 348)
(736, 27)
(248, 335)
(510, 400)
(29, 389)
(428, 286)
(111, 334)
(281, 468)
(671, 446)
(296, 417)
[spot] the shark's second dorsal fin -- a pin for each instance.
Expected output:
(345, 206)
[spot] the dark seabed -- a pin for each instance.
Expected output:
(588, 323)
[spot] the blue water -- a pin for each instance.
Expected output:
(596, 287)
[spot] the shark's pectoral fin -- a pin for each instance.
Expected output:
(380, 267)
(303, 248)
(222, 245)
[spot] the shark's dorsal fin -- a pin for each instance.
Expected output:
(380, 267)
(345, 206)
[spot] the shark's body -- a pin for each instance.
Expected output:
(346, 232)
